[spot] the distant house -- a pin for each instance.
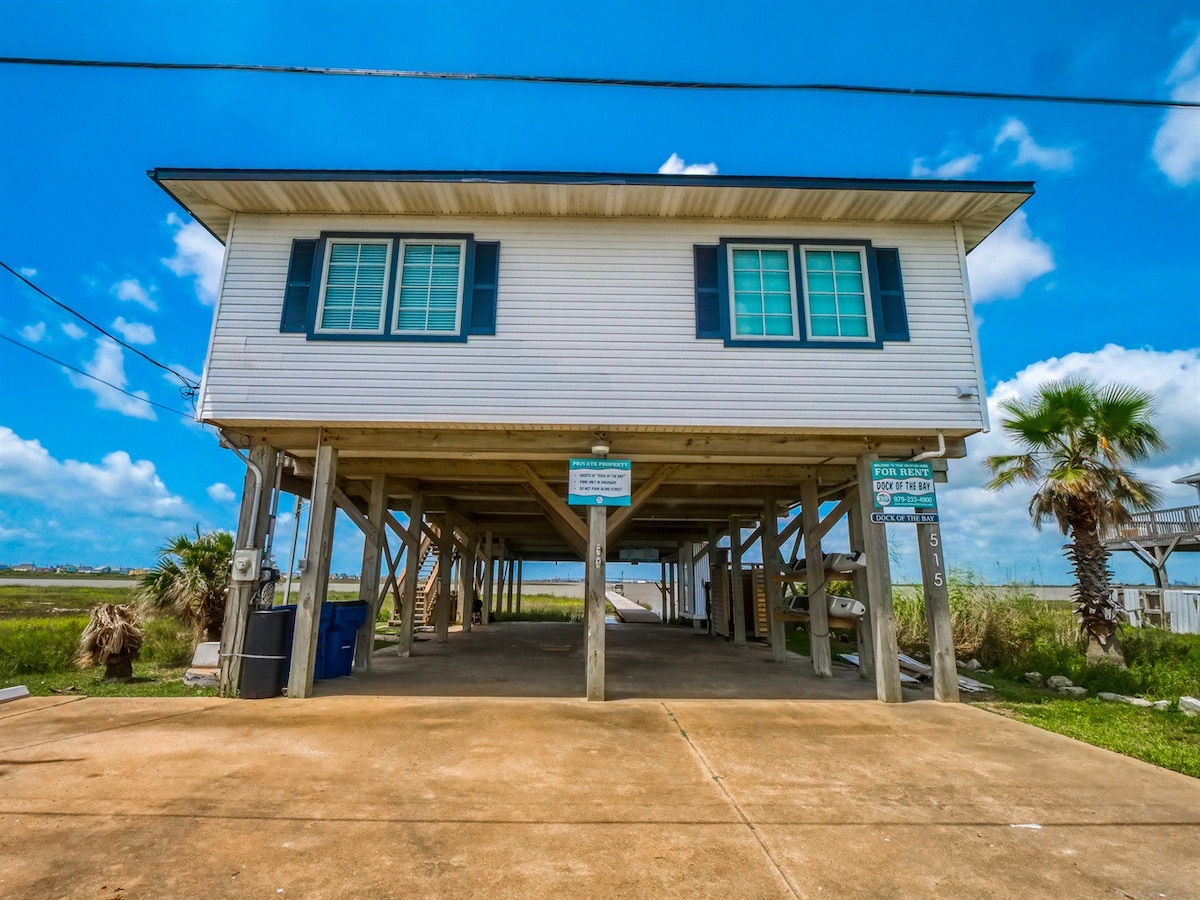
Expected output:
(442, 344)
(25, 567)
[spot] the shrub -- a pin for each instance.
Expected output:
(38, 646)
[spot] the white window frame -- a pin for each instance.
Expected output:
(791, 258)
(462, 274)
(868, 299)
(387, 271)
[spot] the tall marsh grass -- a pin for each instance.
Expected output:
(42, 646)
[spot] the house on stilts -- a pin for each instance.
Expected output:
(427, 350)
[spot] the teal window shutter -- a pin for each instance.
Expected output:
(708, 292)
(484, 287)
(299, 287)
(891, 295)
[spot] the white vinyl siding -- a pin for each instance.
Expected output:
(354, 286)
(429, 292)
(837, 296)
(596, 325)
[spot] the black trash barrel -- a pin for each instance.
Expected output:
(264, 656)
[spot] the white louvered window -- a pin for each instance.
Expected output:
(354, 286)
(429, 292)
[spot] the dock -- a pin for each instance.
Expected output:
(630, 612)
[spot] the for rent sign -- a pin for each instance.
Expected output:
(903, 484)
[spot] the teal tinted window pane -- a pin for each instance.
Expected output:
(373, 254)
(777, 304)
(778, 326)
(341, 274)
(745, 259)
(822, 304)
(343, 253)
(747, 304)
(852, 305)
(749, 325)
(775, 260)
(819, 261)
(418, 254)
(847, 261)
(447, 254)
(776, 281)
(850, 283)
(414, 276)
(854, 326)
(820, 281)
(824, 326)
(747, 281)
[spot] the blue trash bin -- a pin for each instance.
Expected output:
(342, 637)
(325, 638)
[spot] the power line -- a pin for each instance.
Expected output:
(46, 356)
(190, 386)
(607, 82)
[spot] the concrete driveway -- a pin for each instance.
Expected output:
(356, 796)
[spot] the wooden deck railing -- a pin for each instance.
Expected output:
(1158, 523)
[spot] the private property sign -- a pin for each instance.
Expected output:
(600, 482)
(903, 484)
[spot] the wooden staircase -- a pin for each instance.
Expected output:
(427, 585)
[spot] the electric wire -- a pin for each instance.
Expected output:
(586, 81)
(190, 387)
(49, 358)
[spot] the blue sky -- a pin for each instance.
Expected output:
(1098, 275)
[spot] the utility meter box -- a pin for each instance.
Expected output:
(245, 565)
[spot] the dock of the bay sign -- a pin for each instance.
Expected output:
(903, 485)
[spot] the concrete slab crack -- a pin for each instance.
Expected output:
(719, 782)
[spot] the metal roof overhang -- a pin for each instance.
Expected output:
(213, 196)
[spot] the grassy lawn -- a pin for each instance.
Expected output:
(149, 680)
(1164, 737)
(68, 600)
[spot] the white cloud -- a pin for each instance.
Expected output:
(27, 271)
(34, 333)
(73, 331)
(953, 168)
(108, 364)
(1030, 152)
(131, 290)
(221, 492)
(182, 370)
(197, 254)
(115, 486)
(1176, 148)
(991, 531)
(1008, 260)
(676, 166)
(134, 332)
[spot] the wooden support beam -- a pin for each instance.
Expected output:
(561, 516)
(466, 580)
(356, 515)
(502, 559)
(595, 584)
(489, 572)
(410, 536)
(937, 613)
(520, 573)
(879, 588)
(237, 607)
(411, 573)
(619, 521)
(773, 589)
(866, 644)
(314, 577)
(512, 565)
(818, 605)
(826, 524)
(368, 579)
(445, 578)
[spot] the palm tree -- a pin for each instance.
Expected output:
(191, 580)
(1077, 439)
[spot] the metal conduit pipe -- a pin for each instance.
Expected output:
(258, 483)
(933, 454)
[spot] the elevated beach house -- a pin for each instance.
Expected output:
(428, 350)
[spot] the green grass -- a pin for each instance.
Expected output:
(149, 680)
(68, 600)
(1164, 737)
(549, 608)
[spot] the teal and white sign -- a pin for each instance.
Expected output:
(903, 484)
(600, 482)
